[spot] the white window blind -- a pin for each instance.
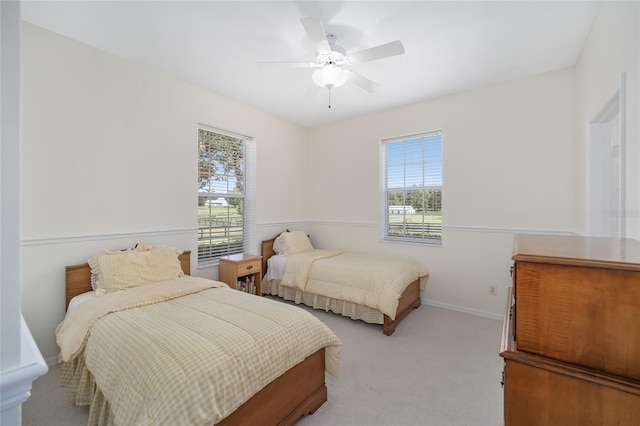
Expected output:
(412, 188)
(225, 193)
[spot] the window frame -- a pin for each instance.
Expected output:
(246, 196)
(402, 233)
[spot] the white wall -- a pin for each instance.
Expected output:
(109, 160)
(509, 166)
(613, 47)
(109, 151)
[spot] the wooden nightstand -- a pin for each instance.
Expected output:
(242, 272)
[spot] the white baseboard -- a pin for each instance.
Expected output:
(463, 309)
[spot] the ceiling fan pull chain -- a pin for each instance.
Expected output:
(329, 90)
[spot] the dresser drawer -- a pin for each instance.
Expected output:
(586, 316)
(542, 391)
(543, 394)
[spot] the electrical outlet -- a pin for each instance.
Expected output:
(493, 290)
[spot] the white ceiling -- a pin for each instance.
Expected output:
(450, 46)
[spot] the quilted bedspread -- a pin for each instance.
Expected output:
(373, 281)
(190, 351)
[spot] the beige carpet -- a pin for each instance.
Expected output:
(439, 368)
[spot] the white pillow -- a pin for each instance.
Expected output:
(293, 242)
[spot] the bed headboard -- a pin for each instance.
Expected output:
(267, 251)
(78, 277)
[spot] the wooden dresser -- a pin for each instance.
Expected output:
(571, 335)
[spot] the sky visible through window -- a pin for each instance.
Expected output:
(226, 185)
(415, 163)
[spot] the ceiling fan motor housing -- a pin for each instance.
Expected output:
(337, 56)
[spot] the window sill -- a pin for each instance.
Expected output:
(436, 243)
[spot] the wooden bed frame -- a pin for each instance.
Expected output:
(410, 298)
(299, 391)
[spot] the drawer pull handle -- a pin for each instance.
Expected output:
(250, 267)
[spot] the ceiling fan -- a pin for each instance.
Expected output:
(332, 62)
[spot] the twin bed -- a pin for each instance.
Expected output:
(375, 289)
(151, 345)
(143, 342)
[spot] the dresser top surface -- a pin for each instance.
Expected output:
(596, 251)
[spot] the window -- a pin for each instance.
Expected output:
(412, 187)
(224, 194)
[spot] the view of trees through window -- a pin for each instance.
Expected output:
(413, 188)
(221, 192)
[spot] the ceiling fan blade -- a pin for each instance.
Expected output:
(316, 33)
(383, 51)
(288, 64)
(363, 82)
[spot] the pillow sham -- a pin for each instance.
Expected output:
(134, 267)
(293, 242)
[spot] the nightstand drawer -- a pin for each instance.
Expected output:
(250, 267)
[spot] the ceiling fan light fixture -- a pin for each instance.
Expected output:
(330, 76)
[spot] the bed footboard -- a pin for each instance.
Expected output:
(409, 300)
(298, 392)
